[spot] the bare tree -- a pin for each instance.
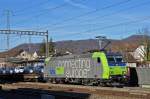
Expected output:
(146, 43)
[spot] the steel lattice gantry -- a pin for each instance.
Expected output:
(29, 33)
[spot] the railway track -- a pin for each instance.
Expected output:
(20, 77)
(93, 91)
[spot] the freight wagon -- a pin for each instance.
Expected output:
(93, 68)
(143, 76)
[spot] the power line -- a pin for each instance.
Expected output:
(31, 6)
(39, 4)
(121, 10)
(112, 26)
(76, 25)
(124, 23)
(90, 12)
(45, 10)
(42, 13)
(106, 15)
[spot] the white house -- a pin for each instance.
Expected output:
(28, 55)
(35, 55)
(2, 62)
(139, 53)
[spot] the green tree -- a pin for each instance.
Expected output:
(146, 43)
(147, 48)
(43, 47)
(51, 46)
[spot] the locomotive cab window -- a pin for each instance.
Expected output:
(98, 60)
(111, 59)
(119, 59)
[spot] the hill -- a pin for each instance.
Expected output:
(80, 46)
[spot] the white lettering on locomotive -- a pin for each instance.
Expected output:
(76, 68)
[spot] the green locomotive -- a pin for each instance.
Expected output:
(97, 68)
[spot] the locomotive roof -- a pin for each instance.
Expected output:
(87, 55)
(113, 54)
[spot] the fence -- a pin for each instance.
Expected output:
(143, 73)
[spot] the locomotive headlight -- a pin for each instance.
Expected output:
(124, 72)
(110, 77)
(111, 72)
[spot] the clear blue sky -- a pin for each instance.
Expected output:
(74, 19)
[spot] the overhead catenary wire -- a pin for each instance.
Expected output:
(14, 39)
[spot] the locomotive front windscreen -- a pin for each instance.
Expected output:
(110, 59)
(118, 58)
(113, 60)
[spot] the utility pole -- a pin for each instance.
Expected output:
(29, 43)
(47, 44)
(8, 13)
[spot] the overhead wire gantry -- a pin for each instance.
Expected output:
(35, 33)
